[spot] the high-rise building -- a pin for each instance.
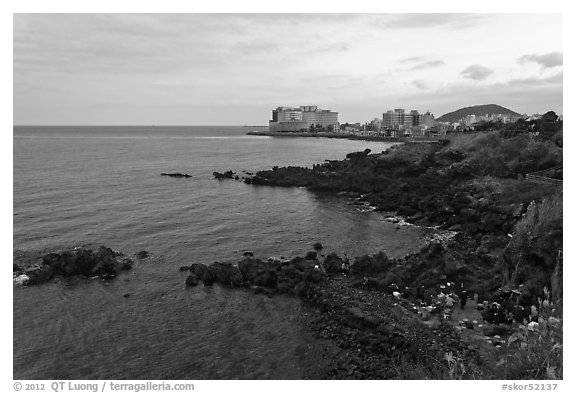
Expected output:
(398, 118)
(301, 118)
(428, 119)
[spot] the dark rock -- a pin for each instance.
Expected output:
(184, 268)
(225, 175)
(371, 265)
(311, 255)
(84, 261)
(39, 274)
(16, 268)
(226, 273)
(191, 280)
(468, 324)
(314, 276)
(258, 272)
(142, 254)
(318, 246)
(333, 264)
(126, 295)
(288, 277)
(203, 273)
(177, 174)
(248, 254)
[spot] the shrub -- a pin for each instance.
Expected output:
(534, 255)
(535, 350)
(490, 154)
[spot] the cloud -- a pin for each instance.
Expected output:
(413, 59)
(477, 72)
(421, 84)
(548, 60)
(428, 64)
(556, 79)
(410, 21)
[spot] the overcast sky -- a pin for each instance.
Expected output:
(218, 69)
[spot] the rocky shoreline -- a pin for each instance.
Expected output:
(457, 309)
(383, 330)
(506, 257)
(439, 185)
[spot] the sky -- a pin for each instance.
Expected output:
(233, 69)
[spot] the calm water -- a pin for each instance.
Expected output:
(102, 185)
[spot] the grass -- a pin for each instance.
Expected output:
(490, 154)
(535, 351)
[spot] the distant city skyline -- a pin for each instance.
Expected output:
(233, 69)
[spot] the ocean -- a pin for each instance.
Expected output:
(102, 186)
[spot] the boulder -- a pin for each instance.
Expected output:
(288, 277)
(251, 268)
(21, 279)
(259, 273)
(311, 255)
(318, 246)
(203, 273)
(371, 265)
(313, 276)
(226, 273)
(333, 264)
(191, 280)
(225, 175)
(142, 254)
(38, 274)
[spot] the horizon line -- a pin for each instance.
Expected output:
(137, 125)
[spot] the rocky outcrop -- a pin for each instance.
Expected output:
(269, 277)
(86, 262)
(39, 274)
(226, 273)
(177, 174)
(259, 273)
(203, 273)
(226, 175)
(191, 280)
(333, 264)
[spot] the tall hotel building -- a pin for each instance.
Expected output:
(399, 119)
(295, 119)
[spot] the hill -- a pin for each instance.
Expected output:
(478, 110)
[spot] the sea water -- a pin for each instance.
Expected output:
(102, 186)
